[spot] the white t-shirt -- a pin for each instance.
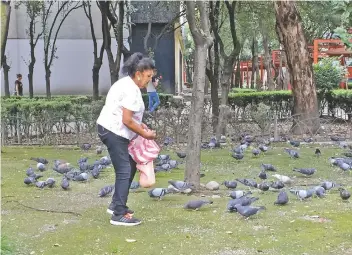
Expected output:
(123, 93)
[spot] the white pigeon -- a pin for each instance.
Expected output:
(285, 179)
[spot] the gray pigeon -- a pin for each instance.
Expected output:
(237, 150)
(50, 182)
(237, 156)
(244, 201)
(40, 160)
(96, 171)
(230, 184)
(30, 171)
(29, 180)
(106, 190)
(181, 185)
(239, 193)
(40, 184)
(327, 185)
(196, 204)
(255, 152)
(41, 167)
(282, 198)
(81, 160)
(81, 177)
(292, 153)
(181, 155)
(263, 186)
(305, 171)
(248, 182)
(262, 175)
(173, 163)
(277, 185)
(99, 150)
(263, 148)
(344, 194)
(248, 211)
(158, 192)
(320, 191)
(317, 152)
(134, 185)
(268, 167)
(86, 146)
(303, 194)
(62, 168)
(164, 157)
(65, 184)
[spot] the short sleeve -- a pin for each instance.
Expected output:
(130, 100)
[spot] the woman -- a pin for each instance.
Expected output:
(120, 121)
(18, 86)
(154, 100)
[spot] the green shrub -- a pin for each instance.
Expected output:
(239, 90)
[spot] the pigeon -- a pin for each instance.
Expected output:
(282, 198)
(65, 184)
(62, 168)
(292, 153)
(164, 157)
(29, 180)
(237, 156)
(158, 192)
(336, 138)
(237, 150)
(255, 152)
(239, 193)
(40, 160)
(308, 140)
(86, 146)
(106, 190)
(319, 191)
(303, 194)
(263, 148)
(83, 166)
(305, 171)
(196, 204)
(96, 171)
(342, 165)
(105, 161)
(268, 167)
(244, 200)
(230, 184)
(81, 160)
(248, 211)
(277, 185)
(99, 150)
(317, 152)
(181, 155)
(285, 179)
(173, 164)
(134, 185)
(181, 185)
(248, 182)
(263, 186)
(81, 177)
(222, 139)
(30, 171)
(344, 194)
(40, 184)
(168, 141)
(50, 182)
(327, 185)
(262, 175)
(294, 143)
(41, 167)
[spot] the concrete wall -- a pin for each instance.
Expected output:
(72, 71)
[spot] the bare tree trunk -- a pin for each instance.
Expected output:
(202, 39)
(267, 59)
(5, 33)
(238, 74)
(254, 62)
(6, 69)
(291, 35)
(47, 83)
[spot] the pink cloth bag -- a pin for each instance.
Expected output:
(143, 152)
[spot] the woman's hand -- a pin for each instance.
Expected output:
(149, 134)
(144, 126)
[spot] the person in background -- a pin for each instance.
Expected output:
(154, 100)
(18, 86)
(119, 122)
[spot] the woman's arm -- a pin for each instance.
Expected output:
(134, 126)
(17, 87)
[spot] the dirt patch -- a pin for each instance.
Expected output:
(315, 218)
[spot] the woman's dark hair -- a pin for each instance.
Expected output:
(19, 75)
(137, 62)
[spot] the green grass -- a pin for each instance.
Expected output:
(167, 228)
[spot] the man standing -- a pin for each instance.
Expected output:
(154, 100)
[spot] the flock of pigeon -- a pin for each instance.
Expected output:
(241, 200)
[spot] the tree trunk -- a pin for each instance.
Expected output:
(5, 33)
(238, 74)
(47, 82)
(30, 78)
(6, 69)
(267, 60)
(291, 34)
(202, 40)
(254, 62)
(96, 69)
(215, 88)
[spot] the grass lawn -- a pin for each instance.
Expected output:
(167, 228)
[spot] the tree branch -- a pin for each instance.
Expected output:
(213, 17)
(86, 5)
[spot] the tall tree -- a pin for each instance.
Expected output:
(51, 31)
(290, 31)
(5, 32)
(202, 40)
(98, 58)
(34, 10)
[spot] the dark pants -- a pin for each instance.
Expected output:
(125, 168)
